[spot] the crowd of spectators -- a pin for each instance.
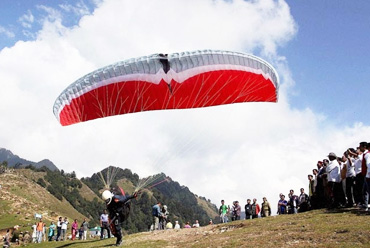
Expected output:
(341, 181)
(54, 232)
(161, 219)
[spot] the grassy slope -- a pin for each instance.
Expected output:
(21, 198)
(312, 229)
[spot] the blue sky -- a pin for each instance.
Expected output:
(329, 58)
(21, 19)
(319, 48)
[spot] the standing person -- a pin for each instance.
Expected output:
(85, 227)
(302, 202)
(282, 205)
(119, 209)
(40, 230)
(365, 171)
(104, 223)
(157, 214)
(237, 210)
(74, 229)
(350, 176)
(334, 180)
(223, 211)
(63, 230)
(163, 218)
(293, 202)
(7, 239)
(59, 228)
(34, 233)
(177, 225)
(248, 210)
(51, 231)
(314, 198)
(266, 209)
(359, 178)
(255, 209)
(196, 224)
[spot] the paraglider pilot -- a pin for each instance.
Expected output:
(119, 209)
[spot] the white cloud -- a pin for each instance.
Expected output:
(6, 32)
(79, 9)
(231, 152)
(27, 20)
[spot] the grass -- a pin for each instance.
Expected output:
(7, 219)
(319, 228)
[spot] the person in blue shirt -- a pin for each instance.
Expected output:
(282, 205)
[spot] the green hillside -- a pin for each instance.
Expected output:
(25, 192)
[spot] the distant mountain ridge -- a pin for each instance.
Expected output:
(16, 161)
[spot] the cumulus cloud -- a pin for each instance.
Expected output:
(231, 152)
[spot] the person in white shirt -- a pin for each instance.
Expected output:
(196, 224)
(64, 229)
(350, 176)
(359, 179)
(334, 180)
(177, 225)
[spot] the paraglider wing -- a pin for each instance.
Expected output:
(175, 81)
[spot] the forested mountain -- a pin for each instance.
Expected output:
(182, 204)
(85, 196)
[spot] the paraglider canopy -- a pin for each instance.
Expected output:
(174, 81)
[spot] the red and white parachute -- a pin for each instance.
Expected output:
(174, 81)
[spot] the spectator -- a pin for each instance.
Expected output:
(282, 205)
(85, 227)
(293, 202)
(104, 224)
(187, 225)
(40, 230)
(334, 180)
(7, 239)
(314, 198)
(303, 202)
(26, 238)
(365, 171)
(359, 178)
(177, 225)
(59, 228)
(169, 225)
(157, 213)
(34, 233)
(266, 209)
(74, 229)
(236, 211)
(51, 231)
(248, 210)
(223, 211)
(350, 176)
(64, 228)
(163, 218)
(311, 185)
(196, 224)
(255, 209)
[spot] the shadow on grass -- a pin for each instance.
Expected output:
(87, 242)
(357, 211)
